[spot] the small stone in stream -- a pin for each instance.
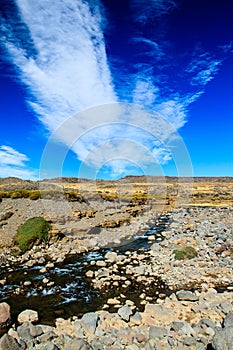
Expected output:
(77, 344)
(49, 265)
(228, 320)
(45, 280)
(155, 332)
(27, 283)
(100, 263)
(28, 315)
(89, 274)
(89, 322)
(151, 238)
(43, 270)
(125, 312)
(5, 315)
(186, 295)
(223, 339)
(9, 343)
(111, 256)
(113, 301)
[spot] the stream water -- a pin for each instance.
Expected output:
(71, 292)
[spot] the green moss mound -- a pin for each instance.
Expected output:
(33, 231)
(185, 253)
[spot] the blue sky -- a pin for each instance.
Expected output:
(116, 87)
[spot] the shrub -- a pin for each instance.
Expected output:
(111, 197)
(34, 195)
(185, 253)
(139, 198)
(73, 196)
(5, 194)
(52, 194)
(19, 194)
(33, 231)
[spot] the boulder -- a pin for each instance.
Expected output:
(223, 339)
(177, 326)
(28, 315)
(136, 318)
(228, 320)
(125, 312)
(24, 333)
(9, 343)
(51, 346)
(77, 344)
(89, 322)
(157, 332)
(186, 295)
(5, 315)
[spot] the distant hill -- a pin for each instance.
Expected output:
(14, 183)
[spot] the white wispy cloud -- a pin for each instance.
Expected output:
(207, 74)
(68, 69)
(14, 163)
(126, 132)
(155, 8)
(227, 48)
(152, 48)
(203, 67)
(145, 92)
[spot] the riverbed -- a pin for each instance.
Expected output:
(63, 290)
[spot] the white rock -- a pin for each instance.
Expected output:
(28, 315)
(111, 256)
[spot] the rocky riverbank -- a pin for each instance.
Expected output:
(197, 318)
(185, 320)
(208, 231)
(191, 258)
